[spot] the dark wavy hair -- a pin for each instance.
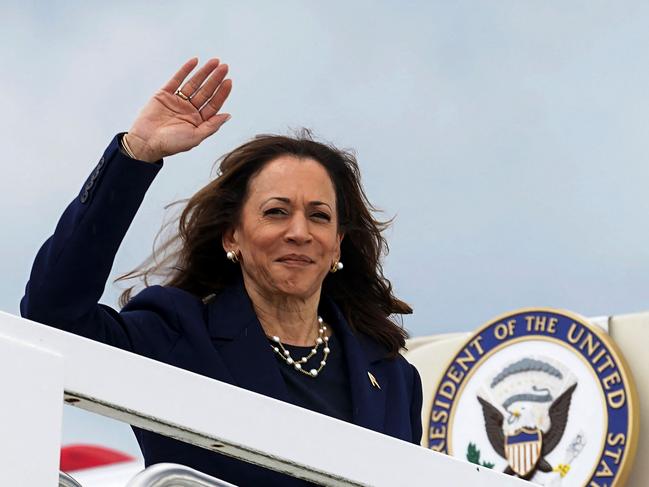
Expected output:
(190, 258)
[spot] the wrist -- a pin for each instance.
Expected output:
(136, 148)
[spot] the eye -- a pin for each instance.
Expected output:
(277, 211)
(320, 215)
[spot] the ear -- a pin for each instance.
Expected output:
(340, 237)
(229, 240)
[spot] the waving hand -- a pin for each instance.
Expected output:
(182, 113)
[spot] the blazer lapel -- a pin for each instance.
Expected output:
(363, 358)
(239, 338)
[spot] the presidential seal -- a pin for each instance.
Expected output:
(540, 394)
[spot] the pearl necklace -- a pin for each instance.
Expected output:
(279, 349)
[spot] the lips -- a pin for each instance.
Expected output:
(295, 259)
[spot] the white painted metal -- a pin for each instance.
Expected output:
(601, 321)
(173, 475)
(221, 417)
(31, 408)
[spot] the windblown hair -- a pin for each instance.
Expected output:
(192, 258)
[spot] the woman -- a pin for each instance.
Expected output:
(255, 292)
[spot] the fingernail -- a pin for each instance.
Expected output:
(228, 117)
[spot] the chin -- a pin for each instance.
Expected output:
(299, 288)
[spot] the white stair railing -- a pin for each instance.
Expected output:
(42, 366)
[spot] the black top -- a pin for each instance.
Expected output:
(329, 392)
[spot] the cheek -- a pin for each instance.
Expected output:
(258, 248)
(260, 244)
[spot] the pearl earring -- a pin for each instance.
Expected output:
(232, 256)
(336, 266)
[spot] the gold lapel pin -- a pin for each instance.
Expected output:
(373, 380)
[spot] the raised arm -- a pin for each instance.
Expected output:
(73, 265)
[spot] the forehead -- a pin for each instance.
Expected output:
(295, 178)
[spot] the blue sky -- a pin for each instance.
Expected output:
(509, 139)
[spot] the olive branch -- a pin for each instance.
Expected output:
(473, 456)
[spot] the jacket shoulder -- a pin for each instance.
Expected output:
(165, 300)
(158, 316)
(408, 371)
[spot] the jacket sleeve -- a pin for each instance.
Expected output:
(415, 407)
(71, 268)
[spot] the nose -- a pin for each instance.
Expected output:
(298, 230)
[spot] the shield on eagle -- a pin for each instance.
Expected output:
(523, 450)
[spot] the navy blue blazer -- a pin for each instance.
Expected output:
(178, 328)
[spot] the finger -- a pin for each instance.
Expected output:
(216, 102)
(172, 85)
(197, 79)
(206, 91)
(210, 126)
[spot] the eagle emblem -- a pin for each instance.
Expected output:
(539, 394)
(527, 412)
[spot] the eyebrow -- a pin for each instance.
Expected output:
(288, 201)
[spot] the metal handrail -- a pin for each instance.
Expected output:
(174, 475)
(66, 481)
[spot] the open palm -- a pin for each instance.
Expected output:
(177, 119)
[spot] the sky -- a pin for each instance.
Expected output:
(509, 139)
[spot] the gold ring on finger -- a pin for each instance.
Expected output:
(182, 95)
